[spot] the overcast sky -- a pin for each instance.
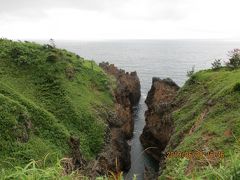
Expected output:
(120, 19)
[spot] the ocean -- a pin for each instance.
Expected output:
(152, 58)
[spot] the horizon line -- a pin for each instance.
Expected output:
(127, 39)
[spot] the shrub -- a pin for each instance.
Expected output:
(3, 54)
(16, 52)
(23, 60)
(216, 64)
(52, 57)
(52, 43)
(191, 72)
(47, 46)
(70, 72)
(234, 61)
(236, 87)
(20, 55)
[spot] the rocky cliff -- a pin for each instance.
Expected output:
(128, 84)
(127, 94)
(190, 130)
(159, 124)
(116, 155)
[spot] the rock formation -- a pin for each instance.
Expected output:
(159, 125)
(127, 94)
(116, 155)
(128, 84)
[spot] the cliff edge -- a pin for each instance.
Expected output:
(116, 155)
(159, 123)
(196, 128)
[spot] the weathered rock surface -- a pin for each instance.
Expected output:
(159, 124)
(116, 154)
(128, 84)
(127, 94)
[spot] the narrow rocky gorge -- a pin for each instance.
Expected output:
(116, 155)
(159, 125)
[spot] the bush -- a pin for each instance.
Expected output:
(52, 57)
(23, 60)
(190, 73)
(70, 72)
(20, 55)
(236, 87)
(52, 43)
(216, 64)
(47, 46)
(234, 61)
(16, 52)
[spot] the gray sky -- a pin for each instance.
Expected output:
(119, 19)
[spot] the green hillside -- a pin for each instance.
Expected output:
(46, 96)
(207, 118)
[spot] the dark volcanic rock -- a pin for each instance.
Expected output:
(159, 125)
(128, 84)
(127, 94)
(116, 157)
(116, 154)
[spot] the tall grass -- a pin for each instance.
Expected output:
(228, 169)
(35, 171)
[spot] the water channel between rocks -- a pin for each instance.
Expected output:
(139, 160)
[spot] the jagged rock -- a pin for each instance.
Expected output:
(127, 94)
(128, 83)
(159, 125)
(116, 155)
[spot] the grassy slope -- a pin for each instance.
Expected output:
(211, 101)
(46, 95)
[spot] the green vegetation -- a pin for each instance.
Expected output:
(46, 96)
(49, 94)
(216, 64)
(208, 120)
(227, 169)
(191, 72)
(34, 171)
(234, 61)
